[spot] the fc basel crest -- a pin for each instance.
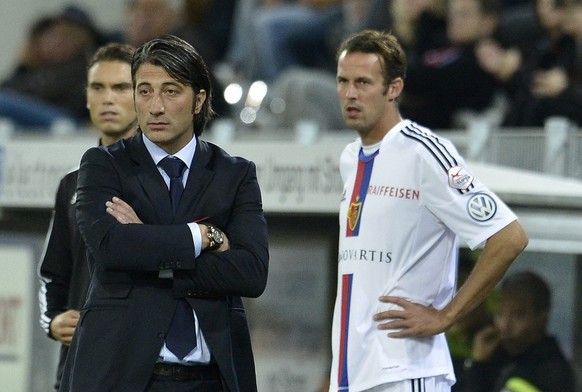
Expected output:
(354, 214)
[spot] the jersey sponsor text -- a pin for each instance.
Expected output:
(393, 191)
(380, 256)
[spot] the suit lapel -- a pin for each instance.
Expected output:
(151, 180)
(197, 182)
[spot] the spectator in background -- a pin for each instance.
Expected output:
(420, 25)
(214, 20)
(270, 36)
(148, 19)
(450, 79)
(542, 81)
(460, 335)
(516, 353)
(566, 98)
(296, 33)
(187, 19)
(64, 270)
(309, 93)
(573, 26)
(272, 42)
(48, 81)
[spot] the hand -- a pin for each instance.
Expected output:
(63, 326)
(485, 343)
(549, 83)
(414, 320)
(501, 63)
(121, 211)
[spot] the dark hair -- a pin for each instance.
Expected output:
(385, 45)
(183, 63)
(112, 52)
(530, 287)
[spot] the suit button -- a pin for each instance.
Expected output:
(161, 335)
(178, 264)
(189, 293)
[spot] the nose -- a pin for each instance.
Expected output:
(349, 90)
(503, 324)
(108, 97)
(156, 105)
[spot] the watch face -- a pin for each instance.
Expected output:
(217, 236)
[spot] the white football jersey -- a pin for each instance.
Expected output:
(401, 212)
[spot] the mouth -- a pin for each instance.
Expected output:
(108, 115)
(352, 111)
(157, 125)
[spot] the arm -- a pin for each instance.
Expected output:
(117, 247)
(151, 247)
(500, 251)
(243, 269)
(124, 214)
(55, 269)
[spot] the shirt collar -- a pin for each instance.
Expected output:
(186, 154)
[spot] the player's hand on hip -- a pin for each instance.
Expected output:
(121, 211)
(411, 320)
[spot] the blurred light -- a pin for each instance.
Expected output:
(277, 105)
(233, 93)
(257, 92)
(248, 115)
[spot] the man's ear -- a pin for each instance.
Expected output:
(200, 99)
(395, 89)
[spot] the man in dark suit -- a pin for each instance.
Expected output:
(63, 270)
(154, 252)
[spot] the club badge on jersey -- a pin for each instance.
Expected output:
(359, 192)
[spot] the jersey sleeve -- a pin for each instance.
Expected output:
(464, 204)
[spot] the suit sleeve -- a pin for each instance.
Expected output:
(243, 269)
(232, 201)
(117, 247)
(55, 268)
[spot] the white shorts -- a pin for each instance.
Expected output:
(427, 384)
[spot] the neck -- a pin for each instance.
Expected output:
(375, 135)
(107, 140)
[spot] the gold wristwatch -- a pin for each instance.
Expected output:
(215, 237)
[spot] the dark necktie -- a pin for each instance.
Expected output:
(174, 168)
(181, 337)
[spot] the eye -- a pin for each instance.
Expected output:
(121, 88)
(143, 91)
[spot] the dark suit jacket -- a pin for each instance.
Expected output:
(129, 308)
(63, 271)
